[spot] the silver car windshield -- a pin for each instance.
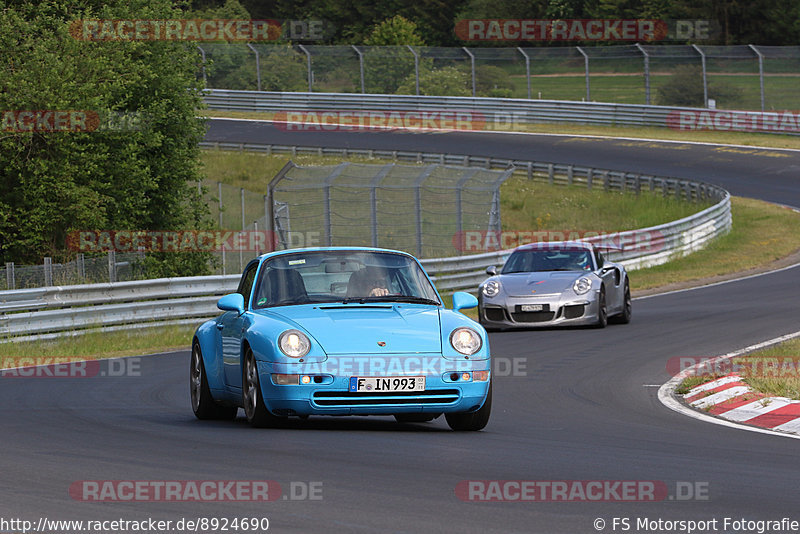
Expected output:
(342, 276)
(537, 260)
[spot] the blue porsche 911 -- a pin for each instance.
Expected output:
(341, 331)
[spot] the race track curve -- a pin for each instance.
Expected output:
(585, 407)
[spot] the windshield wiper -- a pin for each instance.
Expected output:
(407, 298)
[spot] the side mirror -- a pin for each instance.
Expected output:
(463, 300)
(491, 270)
(232, 302)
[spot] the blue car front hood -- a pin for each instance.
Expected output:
(360, 328)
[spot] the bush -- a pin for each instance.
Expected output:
(685, 88)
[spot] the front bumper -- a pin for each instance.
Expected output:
(328, 392)
(505, 313)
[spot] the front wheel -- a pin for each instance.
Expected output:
(472, 421)
(627, 309)
(602, 311)
(252, 400)
(203, 404)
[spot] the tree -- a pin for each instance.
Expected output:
(140, 176)
(397, 30)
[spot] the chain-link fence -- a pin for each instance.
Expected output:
(416, 208)
(733, 77)
(84, 269)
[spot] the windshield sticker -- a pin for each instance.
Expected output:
(296, 262)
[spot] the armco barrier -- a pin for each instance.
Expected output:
(497, 113)
(49, 312)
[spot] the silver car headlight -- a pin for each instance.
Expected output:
(582, 285)
(294, 343)
(491, 288)
(466, 341)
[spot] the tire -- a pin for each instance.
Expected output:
(471, 421)
(627, 308)
(203, 404)
(253, 402)
(602, 311)
(415, 417)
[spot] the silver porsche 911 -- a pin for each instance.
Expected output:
(555, 284)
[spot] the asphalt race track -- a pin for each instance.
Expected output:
(583, 405)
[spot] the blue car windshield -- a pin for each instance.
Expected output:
(342, 276)
(537, 260)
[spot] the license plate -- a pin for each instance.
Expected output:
(531, 307)
(380, 384)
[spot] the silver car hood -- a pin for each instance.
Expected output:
(539, 283)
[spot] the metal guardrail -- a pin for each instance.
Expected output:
(49, 312)
(494, 113)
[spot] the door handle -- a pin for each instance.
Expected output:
(220, 326)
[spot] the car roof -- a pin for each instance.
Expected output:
(550, 245)
(332, 249)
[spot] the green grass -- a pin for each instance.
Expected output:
(780, 91)
(100, 345)
(761, 233)
(774, 371)
(786, 383)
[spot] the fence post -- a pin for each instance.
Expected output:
(80, 265)
(530, 170)
(360, 66)
(705, 77)
(258, 66)
(589, 178)
(203, 56)
(646, 73)
(760, 72)
(527, 70)
(112, 266)
(416, 68)
(586, 67)
(373, 200)
(310, 74)
(472, 64)
(418, 204)
(241, 254)
(48, 271)
(11, 281)
(569, 174)
(550, 175)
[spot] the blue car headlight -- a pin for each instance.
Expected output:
(582, 285)
(294, 343)
(466, 341)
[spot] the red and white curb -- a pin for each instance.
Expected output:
(732, 399)
(730, 402)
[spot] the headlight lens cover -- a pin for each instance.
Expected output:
(582, 285)
(294, 343)
(466, 341)
(491, 288)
